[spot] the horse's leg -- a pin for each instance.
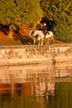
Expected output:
(34, 41)
(48, 41)
(52, 40)
(39, 41)
(42, 41)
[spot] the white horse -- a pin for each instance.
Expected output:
(39, 35)
(49, 36)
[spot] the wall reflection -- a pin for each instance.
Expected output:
(35, 80)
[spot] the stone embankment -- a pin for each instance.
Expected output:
(18, 55)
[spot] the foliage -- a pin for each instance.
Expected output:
(59, 11)
(18, 12)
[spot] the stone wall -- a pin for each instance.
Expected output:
(16, 55)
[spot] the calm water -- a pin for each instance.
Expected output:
(62, 99)
(33, 84)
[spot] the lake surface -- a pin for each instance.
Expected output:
(33, 82)
(62, 99)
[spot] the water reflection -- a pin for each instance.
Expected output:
(39, 78)
(36, 85)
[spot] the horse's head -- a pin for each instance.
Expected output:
(31, 32)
